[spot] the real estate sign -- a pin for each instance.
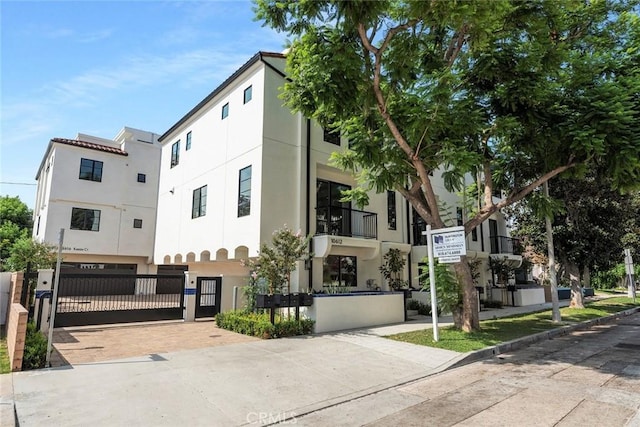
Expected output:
(449, 244)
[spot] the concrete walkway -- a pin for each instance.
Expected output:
(233, 384)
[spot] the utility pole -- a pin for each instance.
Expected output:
(556, 317)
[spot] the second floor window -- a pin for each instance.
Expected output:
(85, 219)
(459, 218)
(175, 153)
(244, 192)
(91, 170)
(248, 94)
(188, 144)
(199, 205)
(332, 136)
(391, 209)
(225, 111)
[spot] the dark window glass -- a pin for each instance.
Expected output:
(459, 218)
(391, 209)
(137, 223)
(244, 192)
(142, 177)
(340, 270)
(175, 153)
(188, 145)
(248, 94)
(199, 205)
(333, 216)
(474, 234)
(91, 170)
(332, 136)
(85, 219)
(225, 110)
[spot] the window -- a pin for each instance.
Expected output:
(199, 205)
(459, 218)
(142, 177)
(332, 136)
(333, 216)
(188, 145)
(85, 219)
(391, 209)
(137, 223)
(248, 94)
(244, 192)
(91, 170)
(175, 153)
(340, 270)
(474, 234)
(225, 111)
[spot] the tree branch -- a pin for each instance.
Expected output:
(455, 46)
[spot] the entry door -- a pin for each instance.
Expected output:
(208, 296)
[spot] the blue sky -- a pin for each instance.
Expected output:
(96, 66)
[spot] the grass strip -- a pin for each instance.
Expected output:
(5, 366)
(496, 331)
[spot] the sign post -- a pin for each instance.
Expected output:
(628, 265)
(54, 299)
(448, 245)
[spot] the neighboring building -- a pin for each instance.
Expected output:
(104, 194)
(239, 165)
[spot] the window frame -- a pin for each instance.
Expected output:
(175, 153)
(342, 275)
(244, 205)
(199, 202)
(95, 174)
(142, 178)
(248, 90)
(187, 146)
(225, 111)
(137, 223)
(94, 226)
(392, 212)
(331, 136)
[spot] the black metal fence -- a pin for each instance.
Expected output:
(86, 299)
(347, 222)
(505, 245)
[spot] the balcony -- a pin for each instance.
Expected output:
(347, 222)
(505, 245)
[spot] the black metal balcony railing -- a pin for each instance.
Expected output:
(348, 222)
(505, 245)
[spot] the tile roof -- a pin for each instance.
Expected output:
(90, 145)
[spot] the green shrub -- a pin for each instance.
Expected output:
(492, 304)
(35, 349)
(423, 309)
(259, 325)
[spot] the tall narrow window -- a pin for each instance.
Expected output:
(248, 94)
(188, 144)
(199, 205)
(332, 136)
(91, 170)
(244, 192)
(85, 219)
(225, 111)
(175, 153)
(474, 234)
(391, 209)
(142, 177)
(459, 218)
(137, 223)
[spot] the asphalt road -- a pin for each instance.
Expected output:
(587, 378)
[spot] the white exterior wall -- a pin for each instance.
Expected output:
(119, 197)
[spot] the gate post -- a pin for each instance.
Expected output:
(43, 299)
(190, 278)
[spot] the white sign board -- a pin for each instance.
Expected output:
(449, 244)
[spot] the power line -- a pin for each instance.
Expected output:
(16, 183)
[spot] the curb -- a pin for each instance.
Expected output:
(519, 343)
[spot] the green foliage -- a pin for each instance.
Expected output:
(275, 264)
(5, 366)
(423, 309)
(259, 325)
(35, 349)
(251, 291)
(27, 251)
(492, 304)
(613, 277)
(392, 269)
(15, 224)
(448, 289)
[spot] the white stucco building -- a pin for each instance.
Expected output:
(104, 194)
(239, 165)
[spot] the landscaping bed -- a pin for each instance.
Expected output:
(259, 324)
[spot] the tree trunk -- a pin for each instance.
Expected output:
(576, 290)
(586, 277)
(470, 321)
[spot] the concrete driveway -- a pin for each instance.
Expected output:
(90, 344)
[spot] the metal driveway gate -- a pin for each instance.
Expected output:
(90, 299)
(208, 294)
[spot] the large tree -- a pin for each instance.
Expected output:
(15, 224)
(511, 92)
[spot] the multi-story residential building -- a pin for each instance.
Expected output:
(104, 194)
(239, 165)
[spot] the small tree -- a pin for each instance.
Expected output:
(392, 269)
(275, 264)
(448, 291)
(28, 251)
